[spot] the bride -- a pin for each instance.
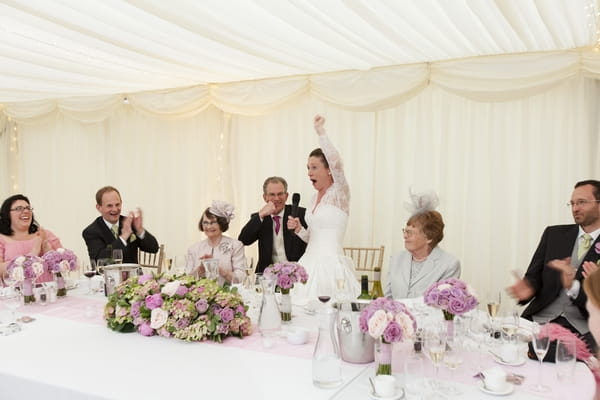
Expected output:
(326, 217)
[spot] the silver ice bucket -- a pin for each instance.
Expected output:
(356, 347)
(114, 274)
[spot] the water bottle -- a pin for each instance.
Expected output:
(327, 364)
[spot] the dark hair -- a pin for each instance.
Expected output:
(592, 182)
(5, 228)
(222, 221)
(103, 190)
(319, 154)
(274, 179)
(431, 224)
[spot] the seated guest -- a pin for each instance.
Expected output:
(21, 235)
(412, 271)
(230, 252)
(111, 230)
(276, 243)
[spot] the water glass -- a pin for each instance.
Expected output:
(566, 358)
(117, 256)
(412, 378)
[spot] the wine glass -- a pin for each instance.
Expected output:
(493, 306)
(89, 271)
(324, 290)
(13, 299)
(117, 256)
(510, 325)
(435, 347)
(541, 343)
(453, 359)
(237, 279)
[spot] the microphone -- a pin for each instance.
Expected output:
(295, 202)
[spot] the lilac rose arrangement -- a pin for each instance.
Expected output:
(181, 307)
(452, 296)
(286, 274)
(388, 321)
(58, 262)
(22, 271)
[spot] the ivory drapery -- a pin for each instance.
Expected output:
(494, 136)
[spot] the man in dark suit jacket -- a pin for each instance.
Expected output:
(275, 243)
(553, 282)
(116, 230)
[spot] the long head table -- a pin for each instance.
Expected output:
(68, 353)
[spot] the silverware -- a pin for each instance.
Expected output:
(373, 387)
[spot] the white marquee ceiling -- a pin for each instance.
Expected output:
(62, 48)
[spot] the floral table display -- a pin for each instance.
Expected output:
(59, 262)
(182, 307)
(287, 274)
(23, 270)
(453, 297)
(388, 321)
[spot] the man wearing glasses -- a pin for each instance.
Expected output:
(268, 226)
(111, 230)
(565, 255)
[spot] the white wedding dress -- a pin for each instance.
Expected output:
(324, 259)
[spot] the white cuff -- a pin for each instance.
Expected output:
(573, 291)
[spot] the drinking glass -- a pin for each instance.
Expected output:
(324, 290)
(211, 266)
(237, 279)
(89, 271)
(479, 330)
(453, 359)
(510, 325)
(249, 281)
(541, 342)
(493, 307)
(117, 255)
(435, 347)
(13, 299)
(566, 356)
(340, 282)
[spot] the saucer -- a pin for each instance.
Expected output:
(509, 389)
(398, 395)
(520, 361)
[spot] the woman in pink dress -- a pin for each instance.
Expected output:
(21, 235)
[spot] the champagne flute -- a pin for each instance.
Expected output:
(435, 346)
(541, 343)
(493, 307)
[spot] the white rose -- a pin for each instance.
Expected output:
(377, 323)
(444, 286)
(471, 290)
(60, 250)
(170, 288)
(64, 266)
(20, 260)
(406, 324)
(18, 274)
(38, 268)
(158, 317)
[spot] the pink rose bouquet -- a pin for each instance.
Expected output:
(58, 262)
(183, 307)
(387, 321)
(286, 275)
(452, 296)
(23, 270)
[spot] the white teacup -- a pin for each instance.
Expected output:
(495, 379)
(385, 385)
(510, 353)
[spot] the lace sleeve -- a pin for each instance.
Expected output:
(338, 194)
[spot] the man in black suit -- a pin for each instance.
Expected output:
(268, 226)
(116, 231)
(553, 282)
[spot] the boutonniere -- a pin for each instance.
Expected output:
(225, 247)
(132, 238)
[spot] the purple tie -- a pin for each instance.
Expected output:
(277, 219)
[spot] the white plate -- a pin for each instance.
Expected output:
(398, 395)
(509, 389)
(516, 363)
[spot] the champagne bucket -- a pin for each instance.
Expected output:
(355, 346)
(115, 274)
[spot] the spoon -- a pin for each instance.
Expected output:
(373, 387)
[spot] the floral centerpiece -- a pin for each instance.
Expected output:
(182, 307)
(58, 262)
(286, 275)
(24, 270)
(388, 321)
(453, 297)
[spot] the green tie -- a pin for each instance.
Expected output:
(115, 231)
(584, 246)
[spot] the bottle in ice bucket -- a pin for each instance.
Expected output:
(364, 288)
(327, 364)
(377, 291)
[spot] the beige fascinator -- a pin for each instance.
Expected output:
(223, 209)
(421, 202)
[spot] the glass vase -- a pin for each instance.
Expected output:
(28, 291)
(61, 289)
(449, 320)
(285, 307)
(383, 357)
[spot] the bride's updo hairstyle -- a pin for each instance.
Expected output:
(319, 154)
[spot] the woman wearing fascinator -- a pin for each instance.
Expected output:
(423, 262)
(230, 252)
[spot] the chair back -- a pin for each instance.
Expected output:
(152, 260)
(366, 259)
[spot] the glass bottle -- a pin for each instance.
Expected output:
(377, 291)
(269, 319)
(364, 288)
(327, 364)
